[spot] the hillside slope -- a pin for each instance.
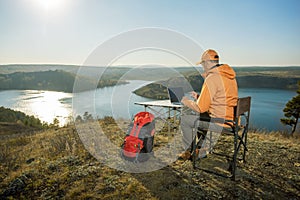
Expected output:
(53, 164)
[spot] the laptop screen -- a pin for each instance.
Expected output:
(175, 94)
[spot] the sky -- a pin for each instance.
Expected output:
(244, 32)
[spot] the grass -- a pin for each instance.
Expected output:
(53, 164)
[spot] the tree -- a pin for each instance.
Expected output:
(78, 119)
(55, 122)
(87, 117)
(292, 111)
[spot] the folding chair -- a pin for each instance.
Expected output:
(238, 129)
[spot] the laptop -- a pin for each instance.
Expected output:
(175, 95)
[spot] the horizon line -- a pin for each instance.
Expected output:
(133, 65)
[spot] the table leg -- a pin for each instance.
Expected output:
(169, 125)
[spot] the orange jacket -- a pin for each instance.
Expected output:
(219, 93)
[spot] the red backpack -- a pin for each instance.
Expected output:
(139, 139)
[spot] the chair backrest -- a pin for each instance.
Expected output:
(243, 105)
(243, 109)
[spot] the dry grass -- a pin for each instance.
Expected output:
(54, 164)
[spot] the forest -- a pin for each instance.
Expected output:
(12, 116)
(57, 80)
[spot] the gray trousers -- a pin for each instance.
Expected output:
(189, 124)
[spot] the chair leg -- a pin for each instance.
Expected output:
(210, 141)
(193, 149)
(243, 141)
(245, 146)
(234, 156)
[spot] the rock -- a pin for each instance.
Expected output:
(29, 160)
(107, 189)
(15, 187)
(297, 164)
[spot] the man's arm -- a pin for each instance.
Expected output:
(204, 100)
(190, 103)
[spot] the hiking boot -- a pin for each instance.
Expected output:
(186, 155)
(201, 153)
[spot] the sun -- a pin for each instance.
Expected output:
(51, 5)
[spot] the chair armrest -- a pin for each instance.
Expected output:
(228, 122)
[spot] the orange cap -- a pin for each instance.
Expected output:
(208, 55)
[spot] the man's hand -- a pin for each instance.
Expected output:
(190, 103)
(185, 100)
(194, 95)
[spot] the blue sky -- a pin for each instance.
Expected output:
(245, 33)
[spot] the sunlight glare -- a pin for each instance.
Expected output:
(47, 105)
(51, 5)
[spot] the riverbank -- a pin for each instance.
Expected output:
(54, 164)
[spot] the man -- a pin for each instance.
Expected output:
(218, 97)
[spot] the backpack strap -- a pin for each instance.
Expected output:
(135, 129)
(137, 154)
(140, 120)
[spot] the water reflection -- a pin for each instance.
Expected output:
(45, 105)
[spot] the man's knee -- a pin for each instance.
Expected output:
(188, 119)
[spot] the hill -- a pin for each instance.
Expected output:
(44, 80)
(9, 69)
(61, 77)
(11, 129)
(53, 164)
(57, 80)
(18, 120)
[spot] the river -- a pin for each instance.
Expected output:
(118, 101)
